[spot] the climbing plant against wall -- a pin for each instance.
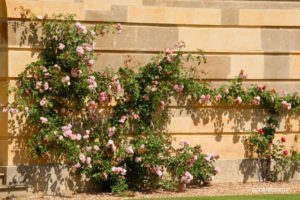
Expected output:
(111, 126)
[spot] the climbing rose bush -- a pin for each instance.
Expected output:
(109, 126)
(112, 126)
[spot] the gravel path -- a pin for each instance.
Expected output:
(215, 189)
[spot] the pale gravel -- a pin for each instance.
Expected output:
(217, 189)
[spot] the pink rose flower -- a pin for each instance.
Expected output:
(110, 144)
(88, 49)
(184, 143)
(80, 51)
(43, 102)
(286, 105)
(103, 97)
(86, 137)
(77, 165)
(180, 44)
(136, 116)
(218, 170)
(178, 88)
(162, 104)
(82, 157)
(242, 75)
(4, 109)
(74, 72)
(284, 93)
(226, 91)
(168, 51)
(111, 131)
(130, 150)
(204, 98)
(88, 148)
(61, 46)
(138, 159)
(187, 177)
(88, 160)
(78, 137)
(92, 83)
(46, 86)
(218, 97)
(56, 67)
(96, 148)
(66, 80)
(38, 85)
(67, 132)
(13, 110)
(238, 100)
(256, 100)
(44, 120)
(119, 28)
(123, 119)
(91, 62)
(261, 88)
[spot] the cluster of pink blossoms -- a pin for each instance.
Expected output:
(103, 97)
(169, 51)
(211, 156)
(83, 159)
(119, 170)
(204, 99)
(39, 86)
(184, 143)
(261, 88)
(66, 80)
(178, 88)
(159, 171)
(13, 110)
(68, 133)
(286, 105)
(92, 83)
(238, 100)
(187, 177)
(43, 120)
(218, 97)
(81, 28)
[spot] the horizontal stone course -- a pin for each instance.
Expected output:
(167, 15)
(212, 40)
(218, 66)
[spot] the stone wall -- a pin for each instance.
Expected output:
(261, 37)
